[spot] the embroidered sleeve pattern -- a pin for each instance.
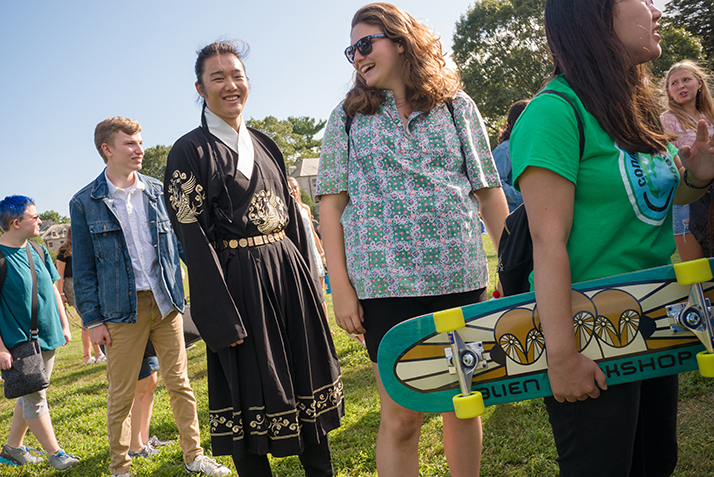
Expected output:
(186, 196)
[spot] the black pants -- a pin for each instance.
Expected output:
(629, 431)
(316, 459)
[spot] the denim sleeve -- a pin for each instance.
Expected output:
(84, 269)
(503, 164)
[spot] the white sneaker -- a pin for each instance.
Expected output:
(207, 466)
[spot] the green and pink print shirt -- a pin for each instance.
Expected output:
(411, 225)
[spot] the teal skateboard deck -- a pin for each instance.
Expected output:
(623, 323)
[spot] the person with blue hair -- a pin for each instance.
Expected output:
(19, 221)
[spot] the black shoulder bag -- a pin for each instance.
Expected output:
(28, 374)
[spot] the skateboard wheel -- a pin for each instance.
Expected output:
(467, 407)
(694, 271)
(705, 359)
(449, 320)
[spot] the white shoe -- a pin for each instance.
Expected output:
(89, 360)
(207, 466)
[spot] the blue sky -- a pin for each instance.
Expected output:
(68, 65)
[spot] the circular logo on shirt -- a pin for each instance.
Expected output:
(651, 182)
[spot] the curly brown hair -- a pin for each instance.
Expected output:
(428, 80)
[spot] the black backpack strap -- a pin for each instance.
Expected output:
(450, 106)
(348, 126)
(581, 129)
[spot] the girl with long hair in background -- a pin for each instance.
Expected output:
(688, 100)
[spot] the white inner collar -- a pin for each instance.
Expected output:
(239, 142)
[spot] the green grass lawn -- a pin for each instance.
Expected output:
(517, 437)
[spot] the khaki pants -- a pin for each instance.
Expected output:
(124, 358)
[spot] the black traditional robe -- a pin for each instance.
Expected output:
(282, 385)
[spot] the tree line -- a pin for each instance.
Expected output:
(502, 54)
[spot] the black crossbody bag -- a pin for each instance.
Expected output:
(28, 374)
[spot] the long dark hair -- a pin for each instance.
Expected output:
(587, 52)
(514, 112)
(428, 80)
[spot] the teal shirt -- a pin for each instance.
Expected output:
(16, 300)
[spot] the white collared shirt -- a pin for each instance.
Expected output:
(131, 209)
(239, 142)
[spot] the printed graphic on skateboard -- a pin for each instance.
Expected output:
(635, 326)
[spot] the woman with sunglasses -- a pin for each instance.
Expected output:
(274, 383)
(401, 194)
(601, 214)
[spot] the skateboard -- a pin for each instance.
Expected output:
(635, 326)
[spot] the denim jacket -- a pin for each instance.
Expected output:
(104, 283)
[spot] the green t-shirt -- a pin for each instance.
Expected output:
(622, 218)
(16, 300)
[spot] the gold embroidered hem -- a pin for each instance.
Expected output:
(277, 426)
(323, 400)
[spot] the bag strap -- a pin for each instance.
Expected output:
(581, 129)
(34, 332)
(3, 270)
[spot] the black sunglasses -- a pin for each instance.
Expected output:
(363, 45)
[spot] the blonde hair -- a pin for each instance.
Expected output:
(704, 102)
(428, 80)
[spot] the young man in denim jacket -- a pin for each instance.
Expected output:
(128, 288)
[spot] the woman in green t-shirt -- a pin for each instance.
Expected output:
(604, 214)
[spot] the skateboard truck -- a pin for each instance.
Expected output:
(469, 357)
(695, 315)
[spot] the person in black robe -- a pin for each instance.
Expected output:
(274, 382)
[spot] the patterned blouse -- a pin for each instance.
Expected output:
(411, 225)
(686, 135)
